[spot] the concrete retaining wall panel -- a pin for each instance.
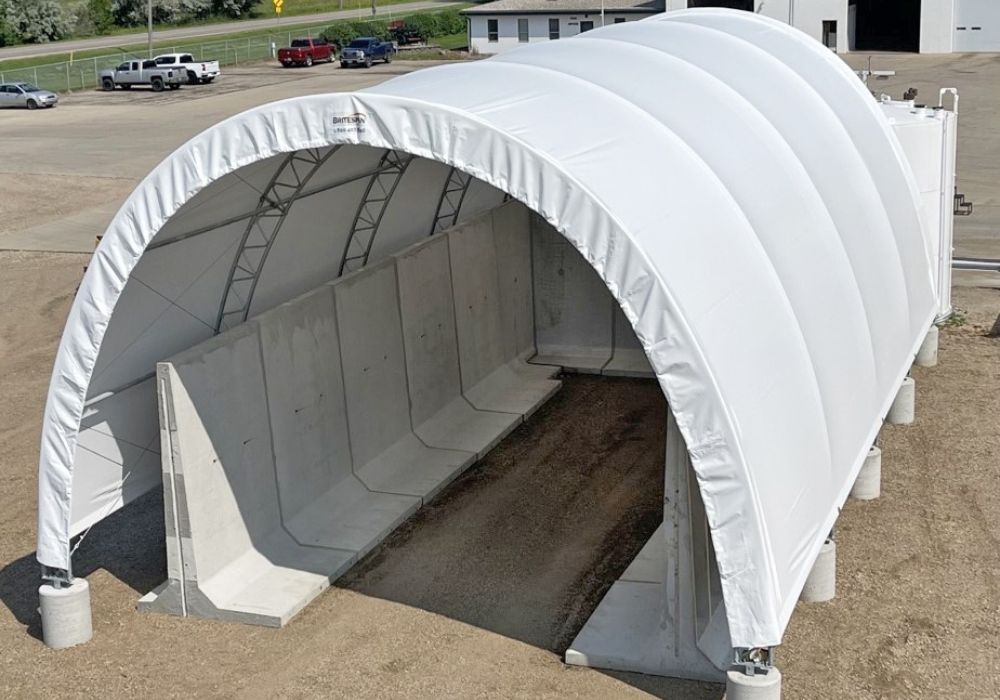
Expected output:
(305, 396)
(371, 339)
(573, 308)
(477, 299)
(223, 441)
(512, 238)
(428, 316)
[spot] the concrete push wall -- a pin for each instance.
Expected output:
(578, 324)
(297, 441)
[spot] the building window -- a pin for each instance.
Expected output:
(830, 34)
(522, 30)
(553, 28)
(619, 20)
(492, 31)
(586, 26)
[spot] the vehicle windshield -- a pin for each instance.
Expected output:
(28, 87)
(359, 44)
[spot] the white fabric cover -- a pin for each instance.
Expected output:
(729, 178)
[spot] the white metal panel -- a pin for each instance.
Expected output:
(977, 25)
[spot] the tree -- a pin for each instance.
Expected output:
(130, 13)
(33, 21)
(100, 15)
(232, 8)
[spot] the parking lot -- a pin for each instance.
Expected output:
(467, 601)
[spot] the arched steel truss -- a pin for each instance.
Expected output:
(368, 218)
(450, 203)
(275, 202)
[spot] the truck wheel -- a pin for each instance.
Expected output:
(192, 77)
(309, 61)
(32, 104)
(157, 84)
(343, 65)
(368, 63)
(107, 84)
(388, 58)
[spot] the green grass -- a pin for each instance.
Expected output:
(58, 73)
(293, 8)
(452, 41)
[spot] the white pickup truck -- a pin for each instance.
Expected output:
(197, 71)
(137, 72)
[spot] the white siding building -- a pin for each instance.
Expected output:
(506, 24)
(927, 26)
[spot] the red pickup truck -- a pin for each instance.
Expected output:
(305, 52)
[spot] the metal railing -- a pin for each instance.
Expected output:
(83, 74)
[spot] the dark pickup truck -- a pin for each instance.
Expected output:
(365, 51)
(305, 52)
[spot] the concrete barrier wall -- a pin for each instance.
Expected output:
(477, 299)
(488, 315)
(374, 366)
(578, 324)
(220, 445)
(512, 239)
(428, 321)
(305, 397)
(297, 441)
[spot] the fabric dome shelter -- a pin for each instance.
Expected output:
(730, 180)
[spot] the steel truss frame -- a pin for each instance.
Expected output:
(450, 202)
(381, 186)
(275, 202)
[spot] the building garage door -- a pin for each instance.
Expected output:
(977, 25)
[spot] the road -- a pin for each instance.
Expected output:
(110, 42)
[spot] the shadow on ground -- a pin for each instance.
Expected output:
(527, 542)
(129, 545)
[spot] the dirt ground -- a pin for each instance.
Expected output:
(479, 595)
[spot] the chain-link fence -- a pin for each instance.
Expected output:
(82, 74)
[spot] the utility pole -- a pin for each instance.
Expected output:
(149, 26)
(602, 13)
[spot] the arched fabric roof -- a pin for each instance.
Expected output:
(730, 179)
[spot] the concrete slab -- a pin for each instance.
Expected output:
(506, 391)
(350, 517)
(411, 468)
(459, 426)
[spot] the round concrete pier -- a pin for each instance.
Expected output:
(65, 614)
(903, 406)
(821, 584)
(761, 686)
(927, 355)
(868, 485)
